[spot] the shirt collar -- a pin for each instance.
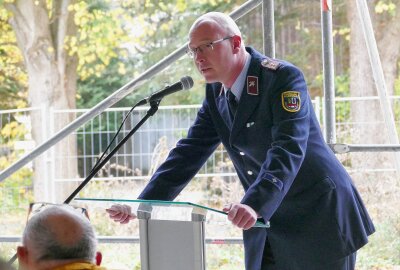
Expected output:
(79, 266)
(237, 86)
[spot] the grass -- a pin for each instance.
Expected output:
(381, 198)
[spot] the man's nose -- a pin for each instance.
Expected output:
(199, 57)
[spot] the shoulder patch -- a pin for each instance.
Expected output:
(270, 64)
(291, 101)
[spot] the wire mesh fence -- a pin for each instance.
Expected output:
(128, 171)
(148, 147)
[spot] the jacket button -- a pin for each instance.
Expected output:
(249, 172)
(241, 153)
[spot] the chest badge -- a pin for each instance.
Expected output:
(252, 85)
(291, 101)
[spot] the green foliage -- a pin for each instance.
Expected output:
(6, 1)
(16, 194)
(100, 36)
(226, 257)
(7, 250)
(342, 89)
(157, 29)
(385, 6)
(118, 40)
(92, 90)
(11, 132)
(396, 105)
(13, 78)
(397, 84)
(16, 190)
(376, 255)
(342, 86)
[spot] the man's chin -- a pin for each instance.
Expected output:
(210, 79)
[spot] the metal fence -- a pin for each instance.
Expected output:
(138, 158)
(143, 151)
(128, 171)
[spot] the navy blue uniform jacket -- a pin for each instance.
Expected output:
(290, 176)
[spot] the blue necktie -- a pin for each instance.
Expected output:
(232, 104)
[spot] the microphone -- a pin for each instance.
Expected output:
(184, 84)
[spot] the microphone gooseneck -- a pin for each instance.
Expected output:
(185, 83)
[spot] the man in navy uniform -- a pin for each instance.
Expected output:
(260, 110)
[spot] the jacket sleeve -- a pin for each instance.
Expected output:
(290, 105)
(185, 160)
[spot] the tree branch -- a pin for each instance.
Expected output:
(17, 13)
(54, 20)
(62, 26)
(392, 31)
(7, 43)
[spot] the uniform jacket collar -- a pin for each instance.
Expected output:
(248, 102)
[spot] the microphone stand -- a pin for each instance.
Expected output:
(153, 109)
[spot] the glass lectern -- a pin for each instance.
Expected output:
(172, 234)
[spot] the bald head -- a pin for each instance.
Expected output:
(222, 21)
(216, 45)
(59, 233)
(66, 227)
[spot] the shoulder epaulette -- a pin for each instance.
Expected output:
(270, 64)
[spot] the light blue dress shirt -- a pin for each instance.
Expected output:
(237, 87)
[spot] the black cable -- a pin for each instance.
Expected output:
(113, 139)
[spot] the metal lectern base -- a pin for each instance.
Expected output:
(172, 245)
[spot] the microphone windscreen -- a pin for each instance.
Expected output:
(187, 82)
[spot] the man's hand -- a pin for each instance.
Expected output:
(120, 213)
(241, 215)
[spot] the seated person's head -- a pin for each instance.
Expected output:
(55, 236)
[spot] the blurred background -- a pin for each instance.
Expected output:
(60, 59)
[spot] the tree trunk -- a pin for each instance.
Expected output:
(370, 127)
(389, 49)
(52, 84)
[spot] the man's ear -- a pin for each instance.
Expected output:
(22, 253)
(237, 43)
(99, 258)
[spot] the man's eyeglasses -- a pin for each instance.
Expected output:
(205, 47)
(36, 207)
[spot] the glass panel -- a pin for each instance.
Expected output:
(168, 210)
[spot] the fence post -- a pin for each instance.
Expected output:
(329, 85)
(377, 72)
(51, 159)
(268, 27)
(45, 166)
